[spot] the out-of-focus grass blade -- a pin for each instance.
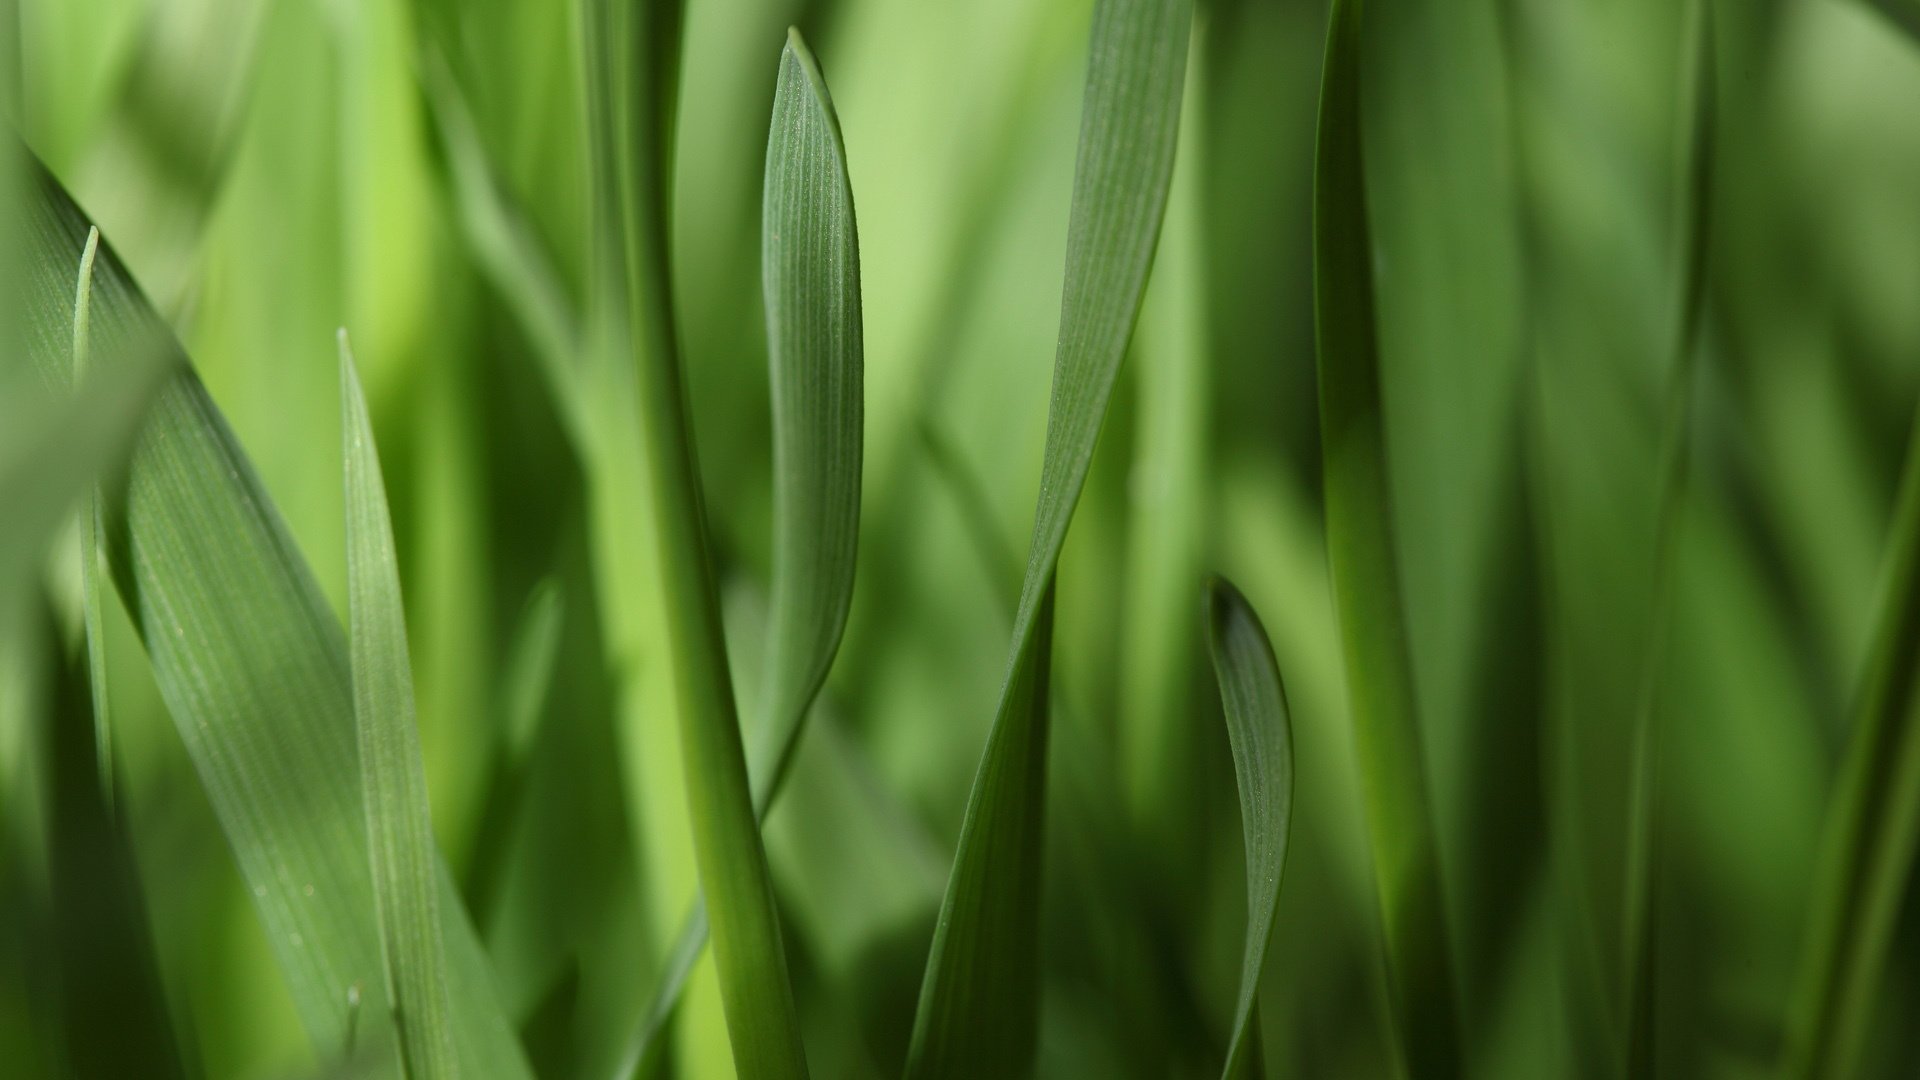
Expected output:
(93, 622)
(979, 999)
(1873, 826)
(1643, 850)
(632, 66)
(1902, 13)
(252, 665)
(393, 779)
(1261, 731)
(1366, 576)
(811, 261)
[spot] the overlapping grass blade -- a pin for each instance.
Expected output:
(1261, 731)
(811, 263)
(251, 664)
(632, 67)
(1366, 576)
(977, 1004)
(93, 623)
(1643, 842)
(1867, 857)
(392, 778)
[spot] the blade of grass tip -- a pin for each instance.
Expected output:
(633, 65)
(1640, 934)
(810, 258)
(252, 665)
(1867, 854)
(93, 619)
(393, 778)
(1261, 733)
(979, 1000)
(1366, 577)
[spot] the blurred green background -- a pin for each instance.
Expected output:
(273, 169)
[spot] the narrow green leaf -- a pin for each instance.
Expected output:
(249, 660)
(810, 259)
(1644, 830)
(1261, 732)
(393, 780)
(978, 1002)
(1873, 826)
(92, 618)
(1366, 576)
(632, 67)
(529, 669)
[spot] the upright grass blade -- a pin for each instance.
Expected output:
(1366, 576)
(632, 65)
(393, 779)
(1261, 731)
(1643, 846)
(1867, 855)
(978, 1002)
(251, 664)
(810, 258)
(94, 622)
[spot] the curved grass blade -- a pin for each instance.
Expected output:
(249, 660)
(1259, 727)
(93, 620)
(632, 67)
(1366, 576)
(1867, 855)
(1643, 846)
(392, 776)
(810, 259)
(977, 1011)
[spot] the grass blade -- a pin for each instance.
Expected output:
(632, 65)
(1366, 576)
(1261, 731)
(1643, 844)
(250, 662)
(92, 619)
(1873, 827)
(811, 262)
(978, 1001)
(393, 779)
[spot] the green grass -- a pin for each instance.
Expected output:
(683, 707)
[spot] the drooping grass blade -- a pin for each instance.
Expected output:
(978, 1003)
(392, 777)
(1867, 853)
(1261, 731)
(252, 665)
(811, 264)
(1366, 576)
(1644, 831)
(632, 67)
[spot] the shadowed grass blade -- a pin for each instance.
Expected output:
(1873, 826)
(978, 1003)
(1261, 731)
(632, 68)
(250, 662)
(1366, 576)
(393, 779)
(1644, 828)
(810, 258)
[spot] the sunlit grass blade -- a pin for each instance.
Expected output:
(1867, 857)
(632, 71)
(1366, 576)
(93, 622)
(1261, 731)
(392, 778)
(811, 265)
(1644, 829)
(251, 663)
(977, 1004)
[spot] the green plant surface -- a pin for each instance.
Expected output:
(1261, 732)
(393, 781)
(1365, 568)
